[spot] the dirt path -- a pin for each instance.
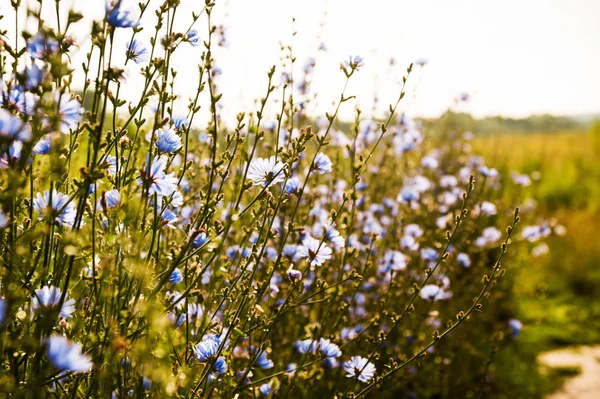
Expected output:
(586, 385)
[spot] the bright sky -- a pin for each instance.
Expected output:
(516, 57)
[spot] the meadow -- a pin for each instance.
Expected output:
(558, 295)
(152, 247)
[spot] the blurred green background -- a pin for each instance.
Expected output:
(557, 295)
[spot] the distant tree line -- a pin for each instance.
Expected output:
(500, 124)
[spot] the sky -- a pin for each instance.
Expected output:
(514, 57)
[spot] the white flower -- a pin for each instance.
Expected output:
(360, 368)
(316, 254)
(266, 172)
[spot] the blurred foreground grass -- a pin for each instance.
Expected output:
(558, 298)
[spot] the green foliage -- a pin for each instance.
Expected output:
(494, 125)
(595, 133)
(559, 299)
(149, 252)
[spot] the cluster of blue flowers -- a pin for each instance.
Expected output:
(148, 249)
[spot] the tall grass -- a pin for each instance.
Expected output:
(150, 251)
(559, 293)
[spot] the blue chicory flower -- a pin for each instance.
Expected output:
(119, 16)
(137, 51)
(56, 205)
(67, 356)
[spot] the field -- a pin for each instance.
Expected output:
(557, 298)
(155, 244)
